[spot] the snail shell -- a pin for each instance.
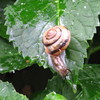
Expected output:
(56, 40)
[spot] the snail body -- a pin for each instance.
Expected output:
(55, 41)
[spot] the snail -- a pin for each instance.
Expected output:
(56, 40)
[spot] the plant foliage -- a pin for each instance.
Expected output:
(26, 21)
(10, 59)
(88, 80)
(7, 92)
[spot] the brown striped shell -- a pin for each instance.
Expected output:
(56, 40)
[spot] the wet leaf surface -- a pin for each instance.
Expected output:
(10, 59)
(27, 20)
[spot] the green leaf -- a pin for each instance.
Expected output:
(90, 82)
(54, 96)
(57, 85)
(7, 92)
(39, 95)
(88, 87)
(27, 20)
(10, 59)
(61, 87)
(3, 28)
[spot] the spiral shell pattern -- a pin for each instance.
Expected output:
(56, 40)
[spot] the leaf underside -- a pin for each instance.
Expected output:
(27, 20)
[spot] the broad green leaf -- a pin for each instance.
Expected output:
(88, 86)
(27, 20)
(10, 59)
(54, 96)
(90, 82)
(61, 87)
(7, 92)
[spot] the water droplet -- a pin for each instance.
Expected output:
(13, 71)
(1, 69)
(54, 92)
(56, 1)
(37, 55)
(10, 52)
(67, 77)
(74, 86)
(22, 3)
(85, 7)
(73, 0)
(90, 66)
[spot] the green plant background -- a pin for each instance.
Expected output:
(23, 23)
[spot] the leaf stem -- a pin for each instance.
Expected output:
(91, 51)
(95, 49)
